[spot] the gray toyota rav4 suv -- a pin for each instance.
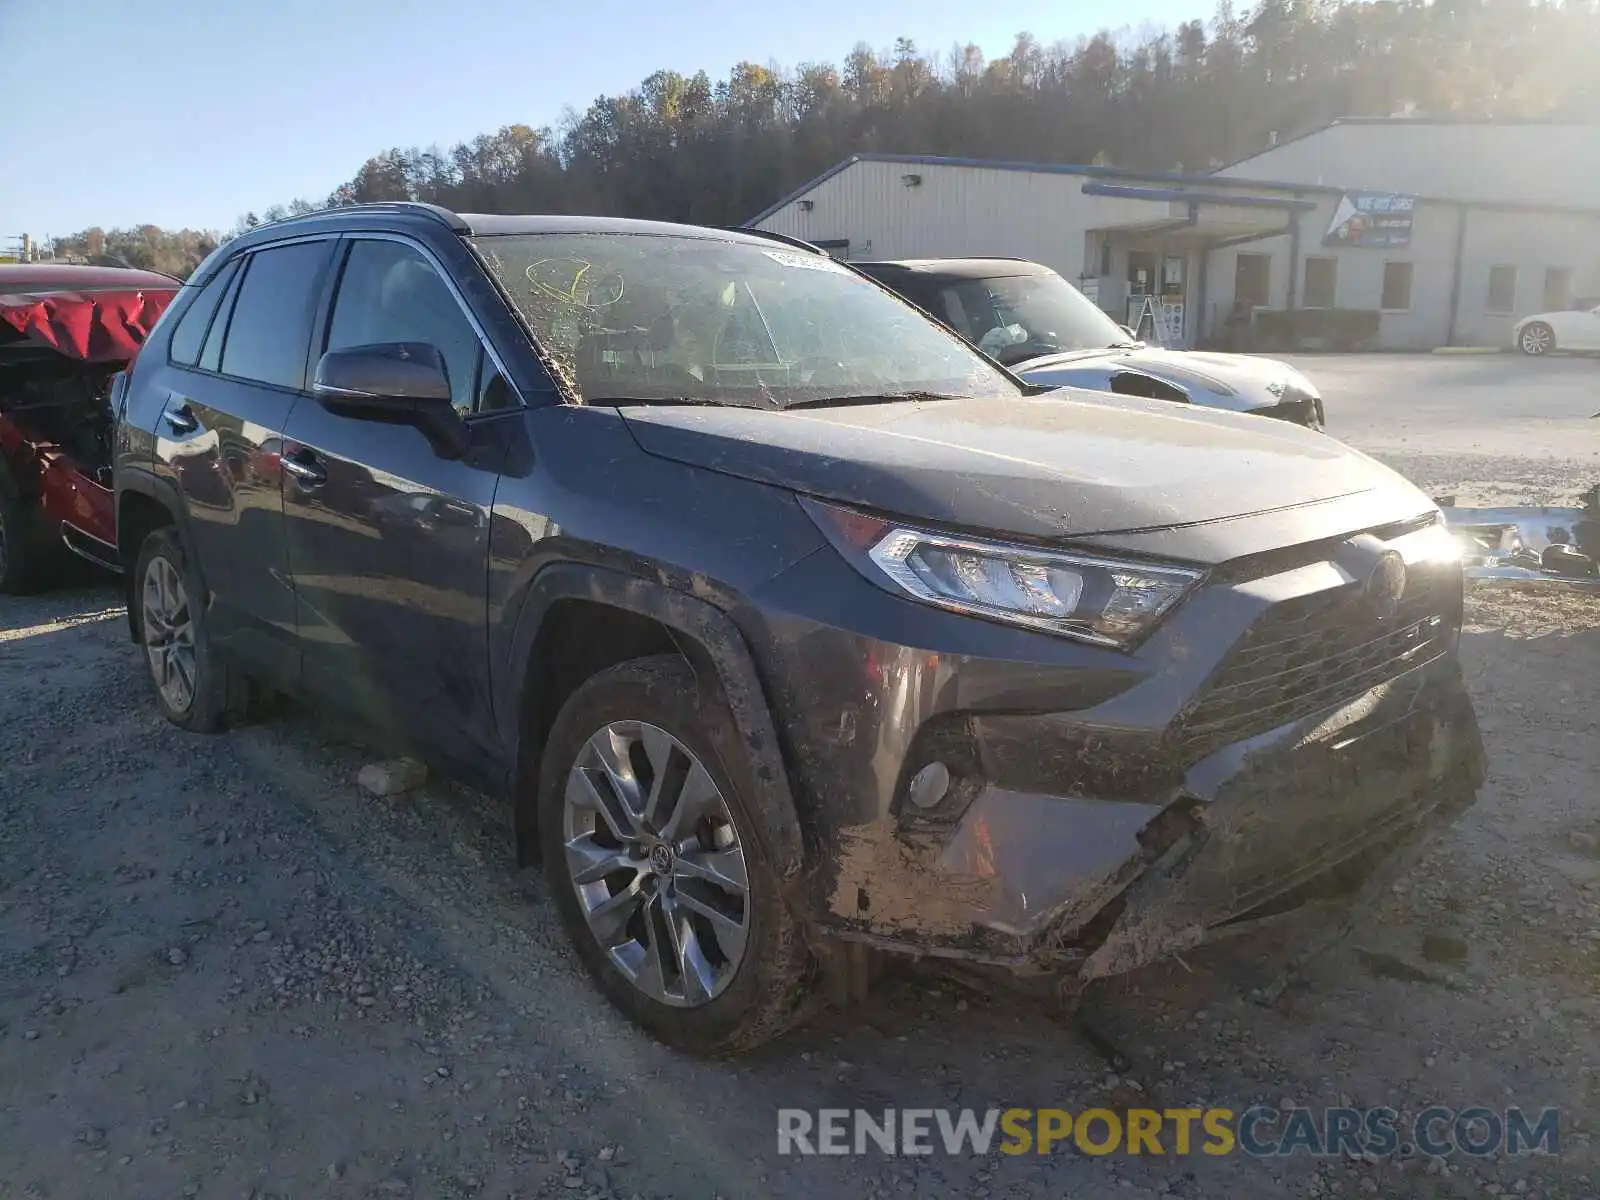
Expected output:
(791, 627)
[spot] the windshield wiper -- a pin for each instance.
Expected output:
(700, 401)
(879, 398)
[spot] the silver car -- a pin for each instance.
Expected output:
(1032, 320)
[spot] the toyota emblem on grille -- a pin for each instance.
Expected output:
(1386, 585)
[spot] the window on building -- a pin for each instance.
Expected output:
(1322, 283)
(1557, 289)
(1502, 289)
(1396, 286)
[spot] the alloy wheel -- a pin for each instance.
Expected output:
(169, 634)
(657, 864)
(1536, 339)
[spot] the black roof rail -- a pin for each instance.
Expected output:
(436, 211)
(797, 243)
(421, 208)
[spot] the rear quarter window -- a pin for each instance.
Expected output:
(190, 334)
(211, 355)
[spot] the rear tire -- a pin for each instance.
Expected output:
(640, 748)
(1536, 339)
(195, 688)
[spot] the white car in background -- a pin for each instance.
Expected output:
(1033, 321)
(1545, 333)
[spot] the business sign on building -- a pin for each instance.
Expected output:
(1371, 219)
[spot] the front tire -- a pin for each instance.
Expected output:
(1536, 339)
(656, 866)
(194, 688)
(18, 568)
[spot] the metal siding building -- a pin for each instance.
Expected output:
(1505, 222)
(1556, 164)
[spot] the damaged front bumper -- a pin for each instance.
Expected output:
(1097, 885)
(1304, 814)
(1081, 814)
(1534, 544)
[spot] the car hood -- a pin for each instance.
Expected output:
(1060, 465)
(1238, 382)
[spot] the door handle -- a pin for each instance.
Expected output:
(180, 420)
(302, 464)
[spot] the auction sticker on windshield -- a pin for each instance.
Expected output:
(805, 262)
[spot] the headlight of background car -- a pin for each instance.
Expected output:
(1301, 384)
(1102, 600)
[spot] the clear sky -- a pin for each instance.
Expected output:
(191, 112)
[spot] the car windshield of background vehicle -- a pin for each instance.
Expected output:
(1017, 317)
(659, 318)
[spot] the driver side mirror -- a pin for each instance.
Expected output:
(399, 383)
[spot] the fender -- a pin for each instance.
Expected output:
(164, 493)
(716, 650)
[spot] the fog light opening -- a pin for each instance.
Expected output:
(929, 786)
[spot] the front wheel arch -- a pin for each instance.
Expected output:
(713, 646)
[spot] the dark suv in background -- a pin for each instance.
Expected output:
(788, 623)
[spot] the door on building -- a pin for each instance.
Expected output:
(1141, 273)
(1252, 281)
(1143, 286)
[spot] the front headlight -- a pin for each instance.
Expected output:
(1107, 601)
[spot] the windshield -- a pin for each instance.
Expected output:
(1016, 317)
(657, 317)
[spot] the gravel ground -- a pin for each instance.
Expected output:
(225, 971)
(1497, 429)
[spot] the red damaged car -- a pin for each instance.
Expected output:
(65, 332)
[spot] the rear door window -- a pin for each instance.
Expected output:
(269, 334)
(196, 320)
